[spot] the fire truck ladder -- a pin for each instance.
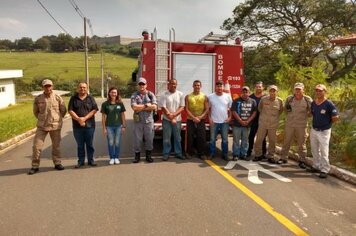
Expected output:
(162, 54)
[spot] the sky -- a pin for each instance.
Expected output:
(191, 19)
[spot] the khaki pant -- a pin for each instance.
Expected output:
(38, 145)
(272, 136)
(300, 134)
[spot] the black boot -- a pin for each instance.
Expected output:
(148, 156)
(137, 157)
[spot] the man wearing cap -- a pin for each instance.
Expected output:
(172, 103)
(219, 116)
(243, 111)
(297, 107)
(324, 114)
(49, 109)
(257, 95)
(82, 108)
(270, 109)
(143, 103)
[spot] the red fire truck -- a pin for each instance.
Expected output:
(209, 60)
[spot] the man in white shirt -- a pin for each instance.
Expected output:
(220, 116)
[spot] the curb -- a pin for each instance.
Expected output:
(335, 171)
(19, 139)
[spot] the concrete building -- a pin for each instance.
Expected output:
(7, 87)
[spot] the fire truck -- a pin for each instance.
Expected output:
(210, 59)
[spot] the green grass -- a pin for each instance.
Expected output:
(16, 120)
(66, 66)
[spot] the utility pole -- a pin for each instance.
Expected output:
(102, 74)
(86, 53)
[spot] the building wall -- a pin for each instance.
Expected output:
(7, 92)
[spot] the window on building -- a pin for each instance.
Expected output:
(2, 89)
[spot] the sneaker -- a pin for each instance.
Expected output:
(180, 157)
(246, 158)
(234, 158)
(33, 171)
(225, 157)
(211, 157)
(323, 175)
(92, 163)
(189, 156)
(259, 158)
(302, 165)
(313, 170)
(59, 167)
(79, 165)
(203, 157)
(281, 161)
(116, 161)
(271, 160)
(112, 162)
(165, 158)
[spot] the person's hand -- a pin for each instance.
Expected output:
(123, 129)
(173, 122)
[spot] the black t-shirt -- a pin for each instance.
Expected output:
(257, 99)
(244, 108)
(82, 108)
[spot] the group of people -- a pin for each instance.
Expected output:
(253, 117)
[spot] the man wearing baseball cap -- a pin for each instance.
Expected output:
(143, 103)
(49, 109)
(297, 107)
(270, 109)
(324, 114)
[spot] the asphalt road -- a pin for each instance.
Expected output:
(176, 197)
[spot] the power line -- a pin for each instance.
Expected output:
(75, 6)
(52, 16)
(80, 13)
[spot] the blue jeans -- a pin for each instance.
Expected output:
(168, 131)
(84, 138)
(114, 139)
(214, 129)
(240, 146)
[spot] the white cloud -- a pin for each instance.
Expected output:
(10, 24)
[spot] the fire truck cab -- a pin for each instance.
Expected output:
(209, 60)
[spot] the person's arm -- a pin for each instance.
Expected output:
(35, 108)
(123, 118)
(103, 122)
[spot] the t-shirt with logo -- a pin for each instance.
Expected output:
(113, 113)
(322, 114)
(244, 108)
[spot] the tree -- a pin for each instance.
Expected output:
(24, 43)
(43, 43)
(6, 44)
(64, 42)
(301, 28)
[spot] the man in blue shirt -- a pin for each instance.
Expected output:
(324, 114)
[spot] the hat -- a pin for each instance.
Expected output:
(219, 82)
(299, 85)
(320, 87)
(245, 88)
(272, 87)
(142, 81)
(47, 82)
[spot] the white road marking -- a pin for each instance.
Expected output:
(304, 214)
(253, 169)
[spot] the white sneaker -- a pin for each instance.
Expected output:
(117, 161)
(112, 161)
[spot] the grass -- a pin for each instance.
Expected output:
(18, 119)
(66, 66)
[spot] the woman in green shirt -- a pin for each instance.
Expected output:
(114, 123)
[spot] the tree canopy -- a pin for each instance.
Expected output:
(301, 28)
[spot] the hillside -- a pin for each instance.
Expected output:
(66, 67)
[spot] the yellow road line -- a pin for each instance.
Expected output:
(283, 220)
